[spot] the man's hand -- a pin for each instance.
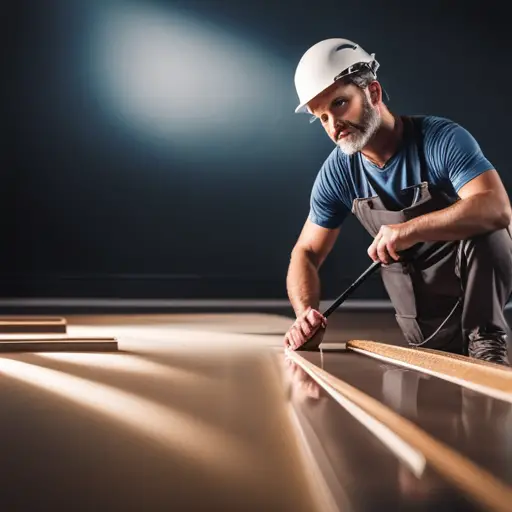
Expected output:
(304, 328)
(390, 240)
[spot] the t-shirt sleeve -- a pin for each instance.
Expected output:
(458, 155)
(326, 206)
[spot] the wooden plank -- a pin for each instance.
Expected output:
(26, 324)
(57, 344)
(489, 378)
(482, 486)
(467, 359)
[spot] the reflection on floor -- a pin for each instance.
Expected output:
(201, 411)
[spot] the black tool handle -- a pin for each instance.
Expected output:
(372, 268)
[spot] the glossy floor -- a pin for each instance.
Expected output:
(201, 412)
(360, 471)
(476, 425)
(179, 419)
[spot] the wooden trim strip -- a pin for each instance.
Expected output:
(476, 482)
(60, 344)
(21, 319)
(491, 379)
(410, 456)
(27, 324)
(466, 359)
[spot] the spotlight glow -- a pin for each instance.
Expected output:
(176, 77)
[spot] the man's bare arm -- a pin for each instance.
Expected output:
(484, 206)
(311, 250)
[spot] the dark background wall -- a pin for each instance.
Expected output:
(151, 149)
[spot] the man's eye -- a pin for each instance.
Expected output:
(339, 103)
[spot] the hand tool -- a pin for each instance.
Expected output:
(314, 342)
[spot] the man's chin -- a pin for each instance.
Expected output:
(353, 144)
(348, 149)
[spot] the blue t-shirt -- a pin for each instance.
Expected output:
(452, 155)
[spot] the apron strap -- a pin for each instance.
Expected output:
(415, 125)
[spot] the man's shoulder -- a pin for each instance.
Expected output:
(335, 164)
(332, 173)
(435, 127)
(442, 133)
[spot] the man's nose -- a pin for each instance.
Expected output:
(334, 124)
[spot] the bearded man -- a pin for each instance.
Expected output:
(417, 184)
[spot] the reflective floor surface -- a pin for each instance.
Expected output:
(203, 412)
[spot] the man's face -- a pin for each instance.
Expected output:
(347, 115)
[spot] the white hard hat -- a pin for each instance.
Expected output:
(326, 62)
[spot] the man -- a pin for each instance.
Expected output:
(421, 186)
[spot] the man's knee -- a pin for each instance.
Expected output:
(490, 249)
(485, 265)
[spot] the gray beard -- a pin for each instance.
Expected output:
(358, 139)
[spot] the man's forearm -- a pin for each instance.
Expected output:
(468, 217)
(303, 282)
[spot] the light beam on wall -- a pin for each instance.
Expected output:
(185, 82)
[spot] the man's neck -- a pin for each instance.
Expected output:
(386, 140)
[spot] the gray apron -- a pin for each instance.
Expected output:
(425, 290)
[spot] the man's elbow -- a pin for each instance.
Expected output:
(503, 215)
(305, 254)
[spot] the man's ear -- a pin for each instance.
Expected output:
(375, 91)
